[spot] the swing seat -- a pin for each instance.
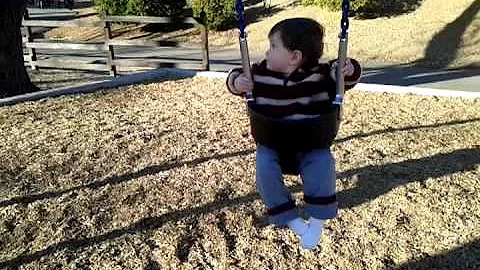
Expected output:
(290, 137)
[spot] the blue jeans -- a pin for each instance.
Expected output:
(317, 170)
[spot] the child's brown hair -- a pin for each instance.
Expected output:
(304, 35)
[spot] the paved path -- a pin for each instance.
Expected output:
(225, 59)
(382, 73)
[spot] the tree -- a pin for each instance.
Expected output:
(14, 79)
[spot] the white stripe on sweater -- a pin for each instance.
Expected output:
(285, 102)
(274, 81)
(299, 116)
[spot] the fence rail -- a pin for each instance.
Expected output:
(148, 19)
(108, 45)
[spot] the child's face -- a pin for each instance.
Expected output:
(279, 58)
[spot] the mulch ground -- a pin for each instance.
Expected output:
(161, 176)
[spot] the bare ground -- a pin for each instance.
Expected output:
(54, 78)
(161, 176)
(439, 33)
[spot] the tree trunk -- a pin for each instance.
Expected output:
(14, 79)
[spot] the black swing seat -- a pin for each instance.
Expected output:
(290, 137)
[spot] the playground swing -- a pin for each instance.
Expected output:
(293, 136)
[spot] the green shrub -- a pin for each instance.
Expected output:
(118, 7)
(369, 8)
(168, 8)
(162, 8)
(215, 14)
(355, 5)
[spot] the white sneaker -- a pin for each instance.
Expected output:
(311, 238)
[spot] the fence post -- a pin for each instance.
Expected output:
(110, 51)
(205, 54)
(29, 35)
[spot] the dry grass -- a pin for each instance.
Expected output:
(439, 33)
(400, 39)
(47, 79)
(96, 32)
(161, 176)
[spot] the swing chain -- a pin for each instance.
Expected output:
(240, 18)
(342, 55)
(244, 46)
(344, 22)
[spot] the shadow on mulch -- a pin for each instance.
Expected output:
(373, 181)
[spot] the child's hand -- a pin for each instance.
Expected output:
(347, 70)
(243, 84)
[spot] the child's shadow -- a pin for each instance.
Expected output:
(376, 180)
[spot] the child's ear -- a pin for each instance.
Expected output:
(296, 58)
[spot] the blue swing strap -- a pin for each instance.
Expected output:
(242, 38)
(240, 18)
(342, 56)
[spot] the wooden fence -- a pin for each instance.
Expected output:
(108, 45)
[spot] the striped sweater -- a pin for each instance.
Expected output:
(303, 94)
